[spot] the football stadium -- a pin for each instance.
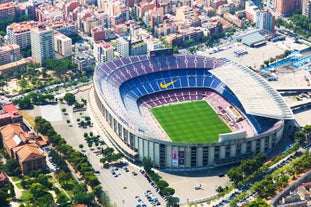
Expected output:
(186, 111)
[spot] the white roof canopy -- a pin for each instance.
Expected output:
(256, 96)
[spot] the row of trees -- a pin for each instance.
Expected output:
(299, 23)
(80, 164)
(110, 156)
(60, 66)
(278, 57)
(162, 185)
(303, 134)
(246, 168)
(274, 182)
(33, 98)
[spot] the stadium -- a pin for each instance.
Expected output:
(187, 111)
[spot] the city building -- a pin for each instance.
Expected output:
(19, 33)
(138, 47)
(62, 44)
(101, 33)
(225, 8)
(42, 43)
(9, 53)
(234, 19)
(7, 10)
(251, 11)
(70, 6)
(306, 8)
(217, 3)
(153, 43)
(103, 52)
(16, 66)
(265, 20)
(47, 12)
(123, 47)
(9, 114)
(24, 147)
(25, 8)
(29, 156)
(84, 61)
(287, 7)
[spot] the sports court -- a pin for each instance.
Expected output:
(190, 122)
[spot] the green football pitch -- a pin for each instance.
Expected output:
(191, 122)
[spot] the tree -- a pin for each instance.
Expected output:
(12, 167)
(175, 50)
(108, 151)
(64, 110)
(70, 98)
(81, 146)
(299, 136)
(24, 103)
(168, 191)
(162, 184)
(307, 130)
(82, 197)
(37, 190)
(257, 203)
(63, 200)
(3, 198)
(219, 189)
(147, 164)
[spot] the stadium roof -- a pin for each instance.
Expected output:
(256, 96)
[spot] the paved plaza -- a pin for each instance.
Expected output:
(51, 112)
(255, 56)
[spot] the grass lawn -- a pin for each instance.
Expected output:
(15, 179)
(26, 196)
(19, 185)
(26, 116)
(191, 122)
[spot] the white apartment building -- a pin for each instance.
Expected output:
(19, 33)
(42, 43)
(123, 47)
(103, 52)
(62, 44)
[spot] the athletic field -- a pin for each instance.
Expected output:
(191, 122)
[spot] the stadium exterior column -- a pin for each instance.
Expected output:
(262, 144)
(188, 156)
(243, 148)
(233, 150)
(211, 155)
(199, 155)
(222, 152)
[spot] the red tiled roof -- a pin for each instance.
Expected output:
(3, 176)
(9, 131)
(11, 109)
(28, 152)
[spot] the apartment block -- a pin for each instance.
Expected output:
(103, 52)
(19, 33)
(42, 43)
(9, 53)
(287, 7)
(62, 44)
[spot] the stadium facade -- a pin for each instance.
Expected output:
(125, 89)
